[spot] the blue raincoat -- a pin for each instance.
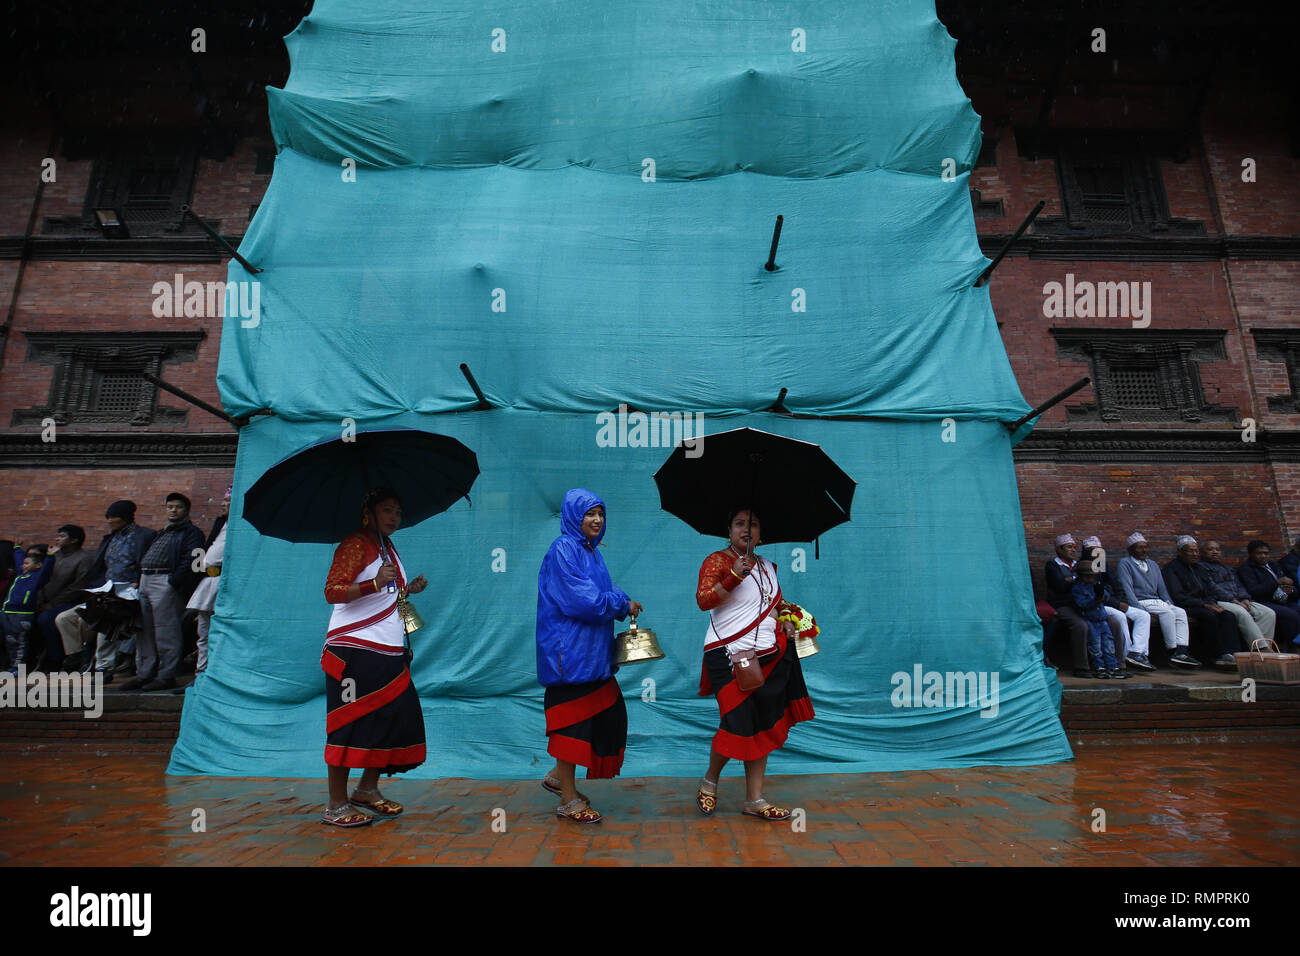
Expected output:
(577, 602)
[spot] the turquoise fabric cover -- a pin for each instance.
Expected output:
(435, 202)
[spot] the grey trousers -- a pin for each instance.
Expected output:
(204, 622)
(158, 648)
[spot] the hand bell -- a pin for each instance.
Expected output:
(806, 646)
(411, 620)
(636, 645)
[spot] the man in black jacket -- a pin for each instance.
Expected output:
(167, 577)
(1269, 586)
(1288, 566)
(1058, 576)
(72, 569)
(1191, 590)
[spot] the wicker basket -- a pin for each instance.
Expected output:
(1266, 667)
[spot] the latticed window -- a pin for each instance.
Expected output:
(97, 376)
(1102, 193)
(1136, 387)
(1145, 375)
(145, 177)
(118, 394)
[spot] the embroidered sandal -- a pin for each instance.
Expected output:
(380, 804)
(345, 816)
(579, 811)
(765, 811)
(706, 798)
(552, 785)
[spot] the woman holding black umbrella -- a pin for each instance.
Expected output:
(740, 591)
(374, 719)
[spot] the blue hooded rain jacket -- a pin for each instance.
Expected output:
(577, 602)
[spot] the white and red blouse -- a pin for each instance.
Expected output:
(371, 621)
(746, 618)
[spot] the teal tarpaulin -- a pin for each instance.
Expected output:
(576, 200)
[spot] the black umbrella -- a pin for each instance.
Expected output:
(797, 490)
(315, 494)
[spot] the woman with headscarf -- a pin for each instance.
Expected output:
(374, 721)
(577, 603)
(739, 589)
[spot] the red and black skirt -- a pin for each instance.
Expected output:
(756, 722)
(380, 724)
(586, 724)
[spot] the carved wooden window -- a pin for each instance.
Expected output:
(1110, 181)
(1141, 375)
(97, 377)
(1281, 345)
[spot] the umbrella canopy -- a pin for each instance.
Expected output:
(797, 490)
(315, 494)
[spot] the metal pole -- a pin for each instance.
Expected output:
(252, 269)
(200, 403)
(1058, 397)
(483, 403)
(1006, 247)
(770, 265)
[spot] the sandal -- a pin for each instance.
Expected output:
(345, 816)
(579, 811)
(706, 798)
(551, 785)
(382, 805)
(765, 811)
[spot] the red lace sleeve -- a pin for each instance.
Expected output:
(715, 570)
(350, 559)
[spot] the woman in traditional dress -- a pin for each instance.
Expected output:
(740, 591)
(374, 721)
(577, 603)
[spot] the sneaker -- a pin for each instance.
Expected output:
(135, 683)
(1119, 675)
(1141, 661)
(1226, 662)
(161, 683)
(1183, 659)
(1101, 675)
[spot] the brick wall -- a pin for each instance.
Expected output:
(1229, 503)
(38, 500)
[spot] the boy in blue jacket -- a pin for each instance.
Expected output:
(1089, 597)
(19, 611)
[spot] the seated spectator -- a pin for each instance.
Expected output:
(1088, 597)
(1120, 612)
(1267, 586)
(71, 571)
(1142, 584)
(1255, 621)
(1058, 577)
(117, 563)
(1190, 589)
(18, 613)
(1289, 567)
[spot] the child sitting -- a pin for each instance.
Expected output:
(1089, 598)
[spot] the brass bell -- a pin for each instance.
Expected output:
(806, 646)
(636, 645)
(411, 620)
